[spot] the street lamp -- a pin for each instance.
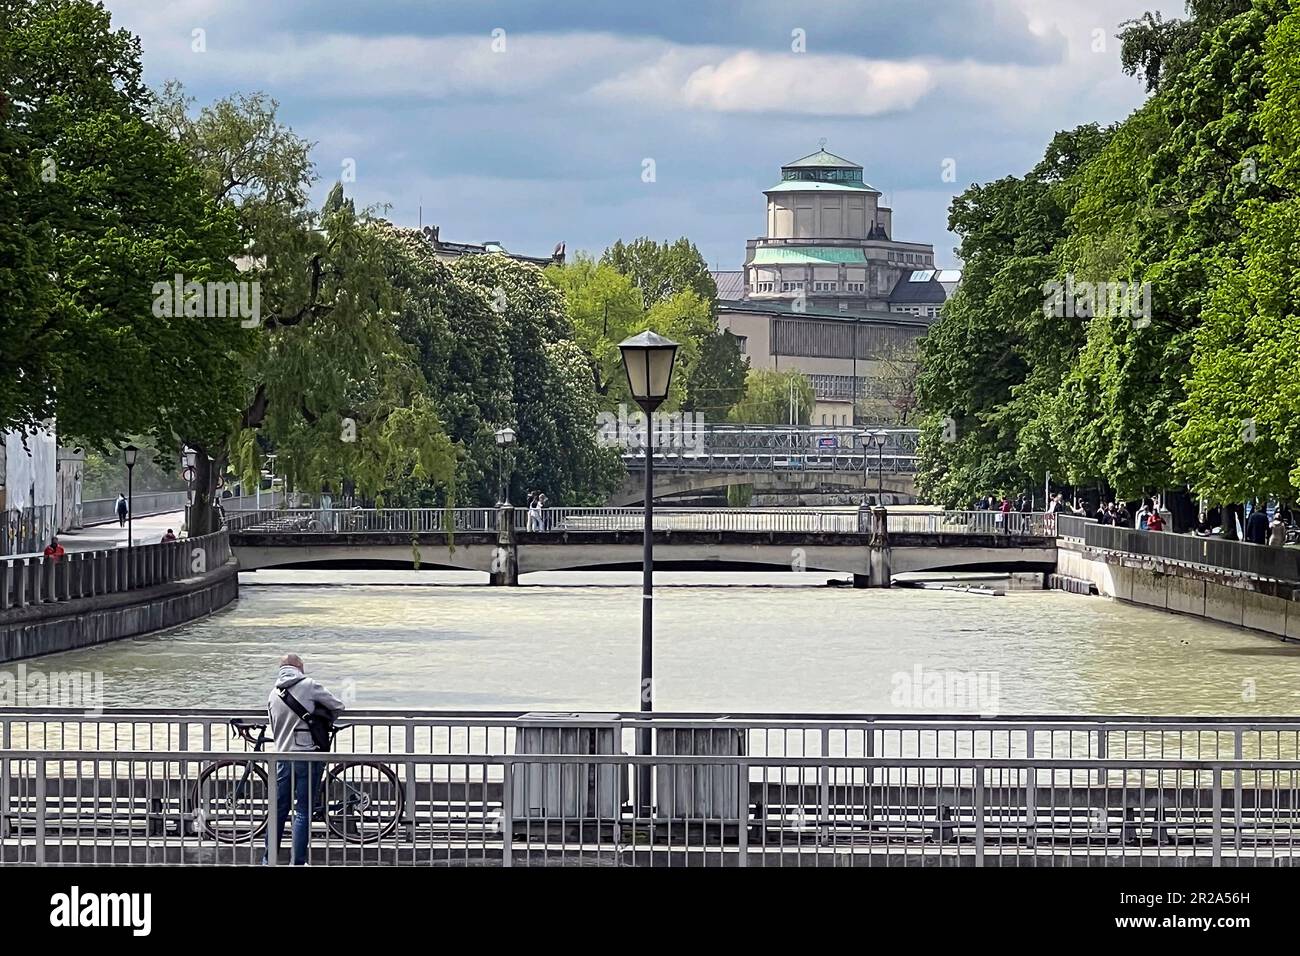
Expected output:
(129, 453)
(877, 438)
(505, 438)
(648, 360)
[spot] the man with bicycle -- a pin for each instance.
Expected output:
(301, 712)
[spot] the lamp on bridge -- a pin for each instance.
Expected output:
(648, 359)
(505, 438)
(875, 438)
(130, 452)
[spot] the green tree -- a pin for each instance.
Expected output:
(662, 270)
(116, 208)
(768, 397)
(717, 380)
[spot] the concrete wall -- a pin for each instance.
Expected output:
(1186, 591)
(50, 628)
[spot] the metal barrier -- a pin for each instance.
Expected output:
(133, 730)
(1215, 554)
(577, 520)
(36, 580)
(193, 807)
(970, 522)
(99, 510)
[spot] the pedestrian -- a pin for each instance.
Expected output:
(1155, 521)
(54, 550)
(1143, 515)
(121, 507)
(1123, 519)
(1203, 526)
(302, 712)
(534, 511)
(1277, 530)
(169, 536)
(1257, 525)
(1103, 516)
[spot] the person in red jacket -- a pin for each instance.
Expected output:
(1154, 521)
(54, 550)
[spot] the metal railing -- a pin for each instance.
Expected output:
(149, 786)
(578, 520)
(443, 733)
(846, 462)
(970, 522)
(193, 807)
(26, 581)
(1214, 554)
(99, 510)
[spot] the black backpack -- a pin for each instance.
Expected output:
(320, 723)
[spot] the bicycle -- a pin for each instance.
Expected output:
(358, 802)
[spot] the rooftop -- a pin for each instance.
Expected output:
(821, 158)
(807, 255)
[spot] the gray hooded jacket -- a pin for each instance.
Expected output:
(290, 730)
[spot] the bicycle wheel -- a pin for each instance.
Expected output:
(363, 801)
(231, 801)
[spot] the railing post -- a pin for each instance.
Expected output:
(1216, 781)
(507, 812)
(979, 814)
(742, 834)
(273, 832)
(1236, 790)
(6, 579)
(39, 848)
(38, 581)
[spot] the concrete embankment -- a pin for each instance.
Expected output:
(1259, 605)
(82, 622)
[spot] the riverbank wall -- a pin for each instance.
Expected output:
(88, 598)
(1269, 607)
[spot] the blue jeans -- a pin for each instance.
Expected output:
(302, 779)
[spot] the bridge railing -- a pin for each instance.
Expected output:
(810, 460)
(1215, 554)
(361, 520)
(724, 809)
(460, 732)
(35, 580)
(576, 520)
(970, 522)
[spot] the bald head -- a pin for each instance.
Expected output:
(292, 660)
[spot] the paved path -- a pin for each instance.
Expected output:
(147, 529)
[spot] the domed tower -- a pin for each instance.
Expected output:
(828, 245)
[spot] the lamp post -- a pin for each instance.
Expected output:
(648, 360)
(875, 438)
(505, 438)
(129, 453)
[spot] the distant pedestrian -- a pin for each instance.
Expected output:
(1155, 521)
(1257, 526)
(534, 511)
(54, 550)
(1277, 531)
(1004, 514)
(169, 536)
(122, 508)
(1123, 519)
(1203, 526)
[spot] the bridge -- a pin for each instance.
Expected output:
(777, 460)
(871, 544)
(480, 788)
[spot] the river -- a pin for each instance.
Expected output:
(777, 642)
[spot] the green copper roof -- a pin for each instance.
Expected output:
(822, 158)
(812, 185)
(806, 255)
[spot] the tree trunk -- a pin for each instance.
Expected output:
(203, 514)
(1231, 512)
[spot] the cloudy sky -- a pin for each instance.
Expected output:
(536, 121)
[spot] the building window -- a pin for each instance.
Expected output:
(825, 286)
(742, 342)
(791, 286)
(763, 286)
(855, 286)
(823, 419)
